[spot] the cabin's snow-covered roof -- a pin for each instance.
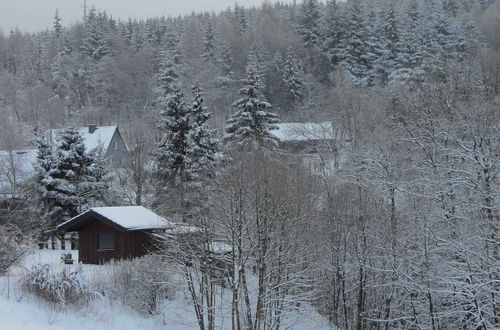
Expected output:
(15, 166)
(303, 131)
(126, 217)
(102, 135)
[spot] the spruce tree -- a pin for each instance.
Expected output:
(173, 124)
(413, 48)
(96, 44)
(225, 65)
(202, 145)
(331, 29)
(69, 180)
(257, 63)
(208, 42)
(308, 22)
(57, 24)
(249, 127)
(293, 76)
(60, 67)
(354, 45)
(389, 31)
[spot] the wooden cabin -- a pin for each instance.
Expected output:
(120, 232)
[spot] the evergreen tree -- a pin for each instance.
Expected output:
(332, 30)
(69, 180)
(413, 48)
(208, 42)
(172, 159)
(450, 7)
(96, 44)
(308, 22)
(137, 37)
(389, 31)
(202, 146)
(257, 63)
(354, 46)
(250, 126)
(169, 70)
(225, 64)
(60, 67)
(45, 167)
(57, 24)
(241, 18)
(293, 76)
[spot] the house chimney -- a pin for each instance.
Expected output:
(92, 128)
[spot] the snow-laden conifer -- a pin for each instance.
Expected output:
(202, 146)
(249, 127)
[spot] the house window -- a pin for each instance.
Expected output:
(115, 146)
(106, 241)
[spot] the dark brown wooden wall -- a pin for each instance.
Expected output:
(128, 244)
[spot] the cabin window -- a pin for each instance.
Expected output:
(115, 146)
(106, 241)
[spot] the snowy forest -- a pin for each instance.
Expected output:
(399, 231)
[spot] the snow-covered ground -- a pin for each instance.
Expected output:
(22, 311)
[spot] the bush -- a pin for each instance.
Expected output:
(11, 251)
(65, 287)
(141, 283)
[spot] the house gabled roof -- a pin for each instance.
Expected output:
(125, 218)
(100, 136)
(292, 132)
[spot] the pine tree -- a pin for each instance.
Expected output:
(96, 44)
(208, 43)
(241, 18)
(354, 46)
(332, 31)
(169, 70)
(173, 123)
(293, 76)
(202, 146)
(60, 67)
(57, 24)
(413, 48)
(69, 180)
(250, 126)
(225, 64)
(257, 63)
(389, 31)
(45, 168)
(308, 22)
(450, 7)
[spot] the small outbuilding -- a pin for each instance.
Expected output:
(119, 232)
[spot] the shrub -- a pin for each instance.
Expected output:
(11, 251)
(141, 283)
(65, 287)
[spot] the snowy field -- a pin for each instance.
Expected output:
(21, 311)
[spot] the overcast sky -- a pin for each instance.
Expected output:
(34, 15)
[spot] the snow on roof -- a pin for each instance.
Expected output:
(304, 131)
(221, 247)
(182, 228)
(128, 217)
(16, 166)
(102, 135)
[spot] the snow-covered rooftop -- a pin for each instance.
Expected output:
(182, 228)
(102, 135)
(16, 166)
(287, 132)
(127, 217)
